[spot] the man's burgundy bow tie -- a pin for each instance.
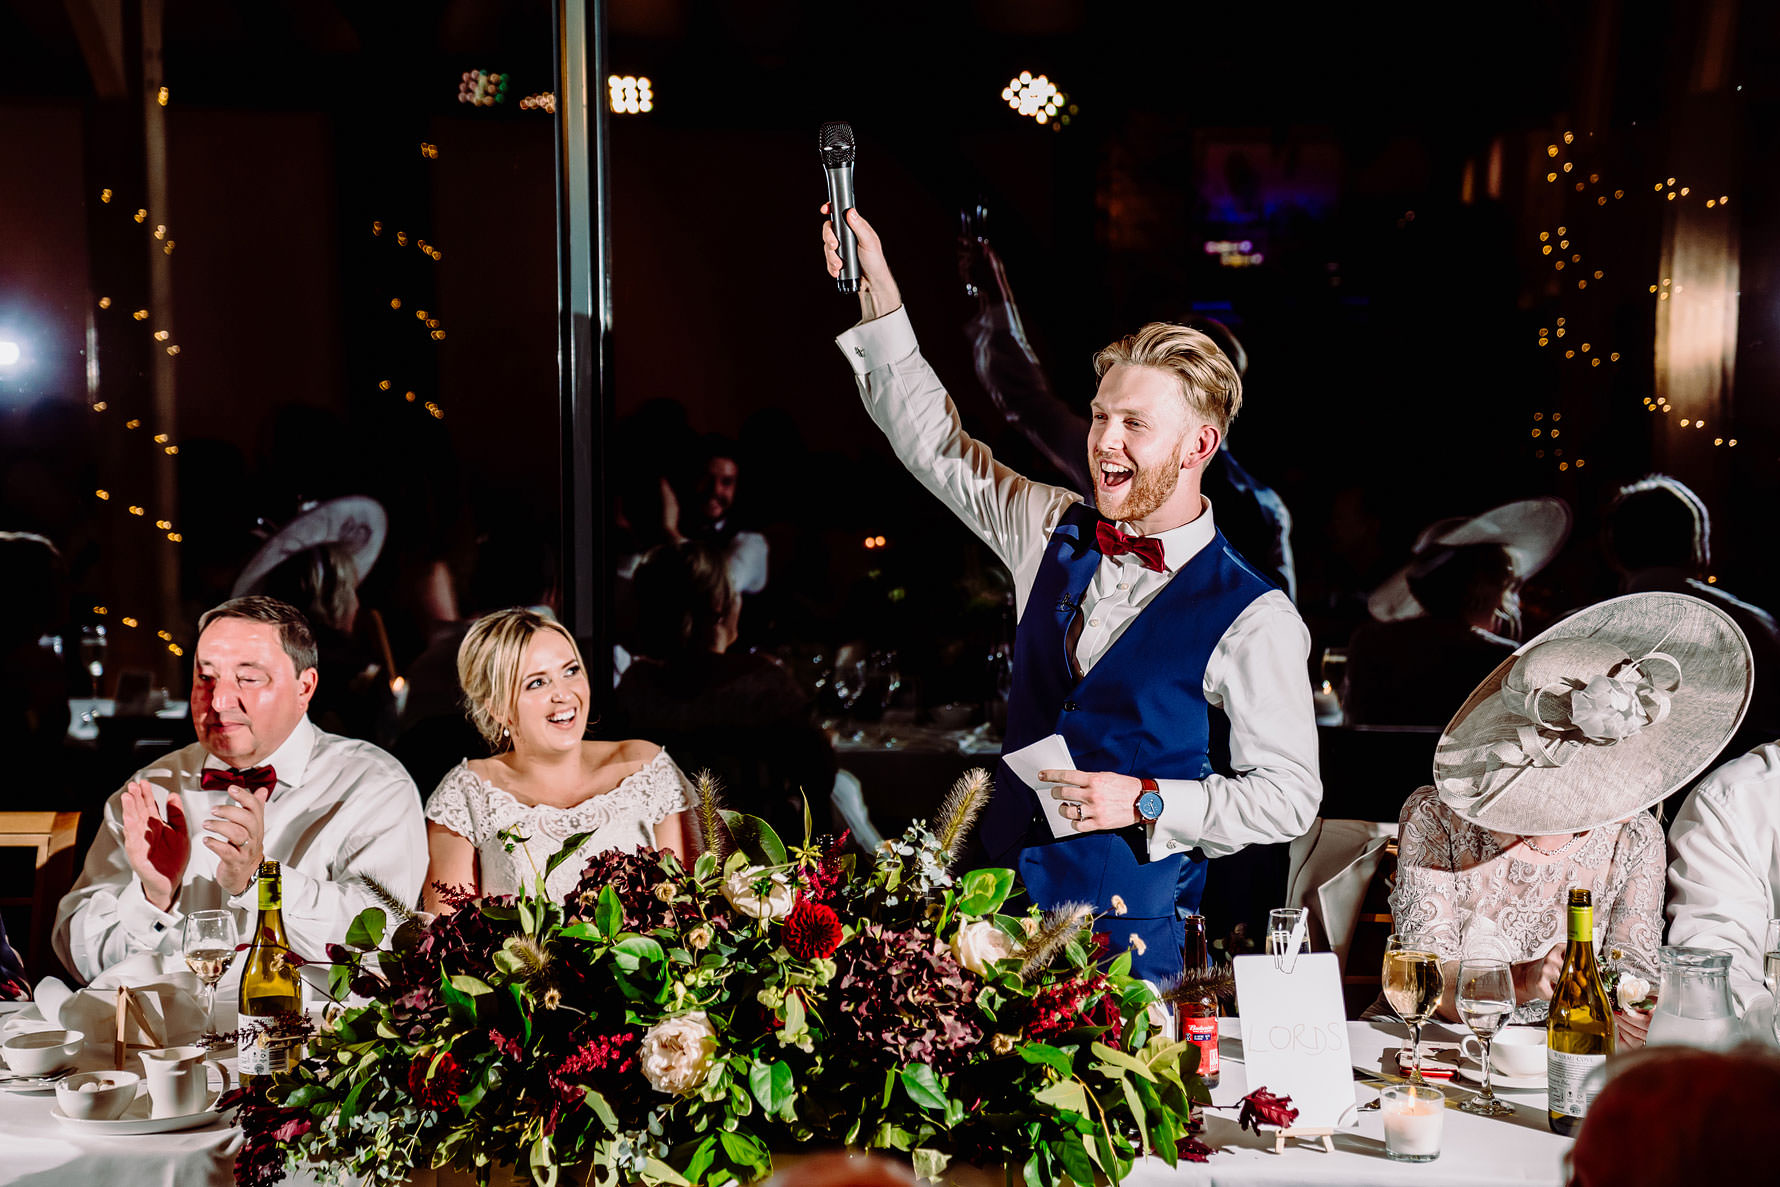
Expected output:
(1113, 542)
(253, 778)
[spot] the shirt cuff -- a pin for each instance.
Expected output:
(1184, 807)
(879, 342)
(147, 925)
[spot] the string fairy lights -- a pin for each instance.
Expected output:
(134, 622)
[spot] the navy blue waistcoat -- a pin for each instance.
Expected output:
(1140, 711)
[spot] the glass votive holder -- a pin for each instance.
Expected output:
(1414, 1115)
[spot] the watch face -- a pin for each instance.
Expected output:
(1149, 805)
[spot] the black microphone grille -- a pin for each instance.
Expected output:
(836, 141)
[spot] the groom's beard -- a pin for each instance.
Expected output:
(1149, 489)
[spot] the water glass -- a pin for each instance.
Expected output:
(1485, 998)
(1287, 934)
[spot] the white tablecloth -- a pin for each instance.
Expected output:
(36, 1150)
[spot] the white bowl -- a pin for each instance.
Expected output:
(40, 1052)
(97, 1096)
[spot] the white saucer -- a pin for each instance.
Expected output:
(1472, 1072)
(11, 1082)
(136, 1119)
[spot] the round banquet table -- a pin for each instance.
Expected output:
(1476, 1151)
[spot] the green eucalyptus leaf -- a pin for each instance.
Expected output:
(366, 930)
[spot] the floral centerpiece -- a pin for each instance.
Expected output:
(676, 1026)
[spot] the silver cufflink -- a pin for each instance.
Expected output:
(860, 351)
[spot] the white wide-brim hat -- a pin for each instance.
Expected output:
(356, 521)
(1532, 530)
(1599, 717)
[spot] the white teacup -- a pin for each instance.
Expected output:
(179, 1080)
(40, 1052)
(1517, 1050)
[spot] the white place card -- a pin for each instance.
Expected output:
(1294, 1034)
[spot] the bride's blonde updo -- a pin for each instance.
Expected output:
(489, 667)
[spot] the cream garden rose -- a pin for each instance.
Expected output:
(743, 890)
(978, 942)
(677, 1053)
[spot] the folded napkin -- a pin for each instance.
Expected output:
(168, 1000)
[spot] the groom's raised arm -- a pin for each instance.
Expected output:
(1011, 514)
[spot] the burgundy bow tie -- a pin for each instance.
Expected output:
(253, 778)
(1113, 542)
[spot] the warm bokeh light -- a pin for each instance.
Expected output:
(629, 94)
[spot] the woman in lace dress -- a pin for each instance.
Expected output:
(1544, 781)
(494, 823)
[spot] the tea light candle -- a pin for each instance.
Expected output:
(1414, 1115)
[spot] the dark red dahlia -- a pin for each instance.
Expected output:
(812, 930)
(441, 1090)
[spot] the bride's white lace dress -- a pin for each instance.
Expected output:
(515, 841)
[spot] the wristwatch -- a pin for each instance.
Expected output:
(1149, 803)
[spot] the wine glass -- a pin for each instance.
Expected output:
(1413, 985)
(208, 940)
(1285, 936)
(1485, 999)
(92, 655)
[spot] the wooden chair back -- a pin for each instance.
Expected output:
(50, 837)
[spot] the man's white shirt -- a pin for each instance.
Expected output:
(342, 809)
(1257, 673)
(1724, 867)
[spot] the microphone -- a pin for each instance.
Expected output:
(836, 142)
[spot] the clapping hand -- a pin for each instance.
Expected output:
(1536, 979)
(158, 847)
(239, 830)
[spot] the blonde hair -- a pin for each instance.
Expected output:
(489, 662)
(1209, 381)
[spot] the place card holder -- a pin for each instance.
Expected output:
(129, 1012)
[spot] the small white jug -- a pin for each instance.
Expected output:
(179, 1080)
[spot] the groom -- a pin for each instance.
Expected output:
(1135, 623)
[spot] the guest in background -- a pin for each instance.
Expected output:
(260, 782)
(1678, 1115)
(356, 701)
(1440, 623)
(708, 515)
(33, 677)
(1545, 784)
(1658, 536)
(1724, 869)
(718, 708)
(1250, 514)
(494, 823)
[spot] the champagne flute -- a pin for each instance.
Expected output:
(1485, 999)
(208, 941)
(1413, 985)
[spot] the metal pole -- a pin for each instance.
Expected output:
(584, 266)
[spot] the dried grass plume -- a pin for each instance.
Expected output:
(958, 815)
(1059, 925)
(714, 836)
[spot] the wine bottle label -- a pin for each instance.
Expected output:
(1202, 1031)
(1582, 924)
(261, 1053)
(1572, 1084)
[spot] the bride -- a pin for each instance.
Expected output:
(494, 823)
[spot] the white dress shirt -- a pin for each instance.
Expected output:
(1724, 867)
(1257, 673)
(341, 809)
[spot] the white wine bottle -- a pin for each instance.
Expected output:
(1579, 1034)
(270, 986)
